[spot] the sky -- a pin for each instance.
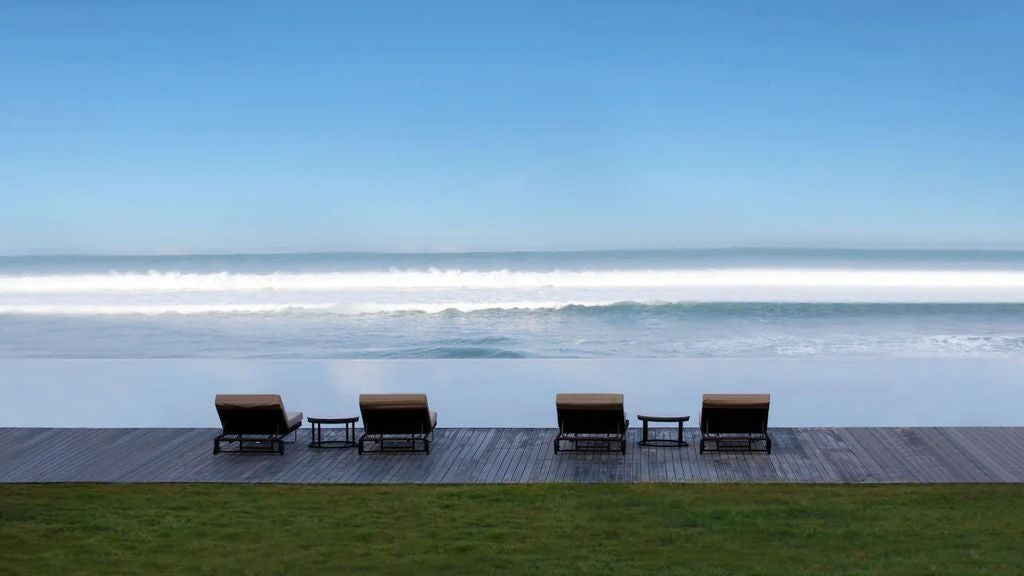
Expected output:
(168, 127)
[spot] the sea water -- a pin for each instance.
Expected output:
(613, 304)
(838, 337)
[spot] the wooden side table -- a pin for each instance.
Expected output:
(677, 442)
(316, 435)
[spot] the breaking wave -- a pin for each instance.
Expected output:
(436, 290)
(792, 278)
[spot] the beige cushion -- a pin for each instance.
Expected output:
(433, 420)
(294, 419)
(589, 401)
(243, 401)
(392, 401)
(750, 401)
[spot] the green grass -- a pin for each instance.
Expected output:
(535, 529)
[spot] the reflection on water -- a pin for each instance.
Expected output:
(805, 392)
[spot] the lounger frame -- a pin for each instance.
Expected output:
(256, 443)
(396, 442)
(591, 442)
(258, 423)
(579, 428)
(736, 443)
(407, 428)
(734, 429)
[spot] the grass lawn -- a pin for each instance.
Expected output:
(535, 529)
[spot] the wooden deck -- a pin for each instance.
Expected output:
(516, 455)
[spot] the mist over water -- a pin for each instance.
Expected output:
(711, 303)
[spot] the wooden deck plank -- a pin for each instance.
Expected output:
(475, 445)
(524, 450)
(1004, 445)
(61, 459)
(837, 454)
(530, 453)
(811, 460)
(996, 446)
(493, 456)
(444, 450)
(995, 468)
(959, 464)
(141, 451)
(448, 447)
(790, 456)
(918, 466)
(889, 467)
(19, 464)
(871, 453)
(535, 459)
(511, 455)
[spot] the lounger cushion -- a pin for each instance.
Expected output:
(255, 414)
(589, 401)
(392, 401)
(248, 401)
(748, 401)
(396, 414)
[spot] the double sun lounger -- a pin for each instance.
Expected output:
(259, 422)
(404, 422)
(597, 422)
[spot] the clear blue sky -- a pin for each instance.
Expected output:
(236, 126)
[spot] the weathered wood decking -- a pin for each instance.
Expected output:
(514, 455)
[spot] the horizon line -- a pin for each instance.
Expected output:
(511, 251)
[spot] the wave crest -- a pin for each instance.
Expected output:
(513, 279)
(434, 290)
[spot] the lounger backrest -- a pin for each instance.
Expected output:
(251, 413)
(591, 413)
(395, 413)
(734, 413)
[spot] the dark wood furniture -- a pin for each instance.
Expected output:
(256, 422)
(396, 422)
(735, 422)
(677, 442)
(591, 422)
(316, 435)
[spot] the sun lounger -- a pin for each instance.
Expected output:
(591, 422)
(256, 422)
(396, 422)
(735, 422)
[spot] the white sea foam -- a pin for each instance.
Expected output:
(436, 290)
(497, 279)
(89, 309)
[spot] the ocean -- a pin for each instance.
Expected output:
(736, 303)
